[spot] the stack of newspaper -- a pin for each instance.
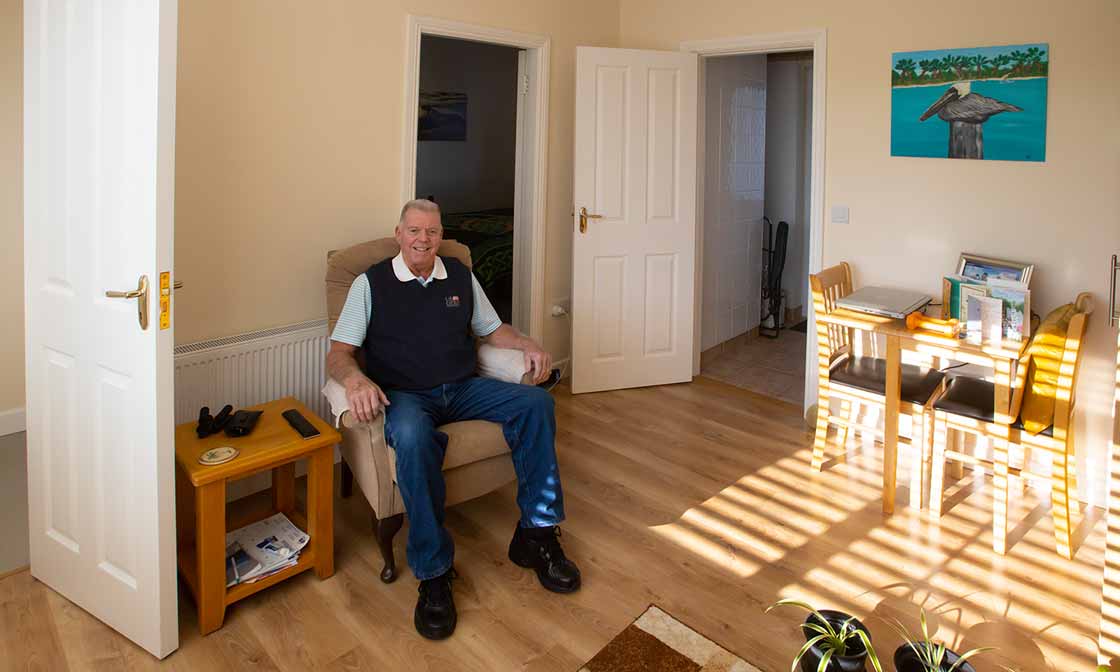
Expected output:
(262, 549)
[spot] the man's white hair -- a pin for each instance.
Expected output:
(421, 204)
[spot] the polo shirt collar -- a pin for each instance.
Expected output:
(400, 269)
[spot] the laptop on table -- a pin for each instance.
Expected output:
(884, 301)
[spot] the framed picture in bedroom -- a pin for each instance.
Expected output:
(443, 116)
(982, 269)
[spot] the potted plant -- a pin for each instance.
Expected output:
(924, 655)
(834, 641)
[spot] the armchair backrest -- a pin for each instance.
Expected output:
(346, 264)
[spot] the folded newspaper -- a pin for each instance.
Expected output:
(262, 549)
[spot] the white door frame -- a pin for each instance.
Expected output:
(532, 152)
(809, 40)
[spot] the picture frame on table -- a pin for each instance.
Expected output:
(982, 269)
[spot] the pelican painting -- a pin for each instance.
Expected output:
(952, 103)
(966, 113)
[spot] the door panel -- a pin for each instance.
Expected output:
(99, 102)
(635, 168)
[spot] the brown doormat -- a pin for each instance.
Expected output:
(657, 642)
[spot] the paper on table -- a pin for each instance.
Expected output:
(991, 318)
(272, 543)
(970, 302)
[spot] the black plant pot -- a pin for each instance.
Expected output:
(856, 653)
(906, 660)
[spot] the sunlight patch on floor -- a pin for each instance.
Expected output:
(786, 515)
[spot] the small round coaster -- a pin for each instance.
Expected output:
(218, 455)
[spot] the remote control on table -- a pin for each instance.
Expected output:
(300, 423)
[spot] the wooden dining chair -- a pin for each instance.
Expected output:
(858, 380)
(968, 406)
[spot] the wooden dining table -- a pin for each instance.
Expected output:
(1002, 356)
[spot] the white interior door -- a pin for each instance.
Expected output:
(635, 173)
(99, 121)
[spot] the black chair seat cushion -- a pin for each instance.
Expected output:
(870, 374)
(975, 398)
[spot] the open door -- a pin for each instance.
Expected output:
(634, 239)
(99, 122)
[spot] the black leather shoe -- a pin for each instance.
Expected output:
(435, 616)
(539, 549)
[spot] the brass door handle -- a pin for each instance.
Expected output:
(583, 217)
(140, 293)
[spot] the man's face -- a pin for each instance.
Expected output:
(419, 235)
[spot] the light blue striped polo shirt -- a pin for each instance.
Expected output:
(354, 319)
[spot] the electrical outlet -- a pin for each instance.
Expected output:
(561, 307)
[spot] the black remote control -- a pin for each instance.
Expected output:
(300, 423)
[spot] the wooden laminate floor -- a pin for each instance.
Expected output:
(695, 497)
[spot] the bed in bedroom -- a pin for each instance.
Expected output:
(489, 234)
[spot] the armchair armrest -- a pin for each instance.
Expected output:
(505, 364)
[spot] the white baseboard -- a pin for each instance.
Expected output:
(12, 421)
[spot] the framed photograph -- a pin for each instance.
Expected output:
(983, 269)
(443, 116)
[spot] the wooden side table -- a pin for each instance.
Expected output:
(201, 502)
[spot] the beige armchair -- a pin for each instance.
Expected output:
(477, 459)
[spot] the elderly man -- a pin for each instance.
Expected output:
(412, 317)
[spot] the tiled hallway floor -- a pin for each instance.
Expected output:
(772, 367)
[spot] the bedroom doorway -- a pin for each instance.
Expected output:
(474, 142)
(466, 153)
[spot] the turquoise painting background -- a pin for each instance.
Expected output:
(1008, 136)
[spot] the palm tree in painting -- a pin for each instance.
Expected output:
(960, 65)
(1034, 60)
(1019, 59)
(925, 67)
(999, 62)
(905, 69)
(980, 62)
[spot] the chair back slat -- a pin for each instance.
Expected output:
(1066, 393)
(828, 286)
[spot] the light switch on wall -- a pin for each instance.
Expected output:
(839, 214)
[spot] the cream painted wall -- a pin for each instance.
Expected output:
(289, 141)
(11, 204)
(910, 217)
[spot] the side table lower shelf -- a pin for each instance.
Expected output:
(189, 570)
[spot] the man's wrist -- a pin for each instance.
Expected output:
(355, 380)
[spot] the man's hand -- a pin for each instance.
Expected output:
(366, 399)
(537, 361)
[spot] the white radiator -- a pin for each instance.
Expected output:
(253, 368)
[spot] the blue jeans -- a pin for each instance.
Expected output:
(528, 422)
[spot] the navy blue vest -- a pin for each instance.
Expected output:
(419, 337)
